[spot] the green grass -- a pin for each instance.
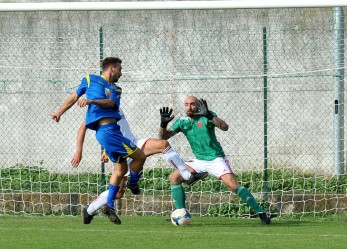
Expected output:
(138, 232)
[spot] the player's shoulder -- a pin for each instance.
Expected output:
(116, 87)
(182, 120)
(94, 76)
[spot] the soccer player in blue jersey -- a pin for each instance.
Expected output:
(102, 116)
(199, 128)
(149, 146)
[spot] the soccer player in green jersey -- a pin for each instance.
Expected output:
(199, 128)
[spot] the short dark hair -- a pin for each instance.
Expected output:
(109, 61)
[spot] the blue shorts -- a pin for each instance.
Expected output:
(117, 147)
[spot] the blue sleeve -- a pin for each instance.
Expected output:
(82, 87)
(116, 95)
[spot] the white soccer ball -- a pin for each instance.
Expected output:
(180, 217)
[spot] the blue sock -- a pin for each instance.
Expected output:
(134, 177)
(112, 192)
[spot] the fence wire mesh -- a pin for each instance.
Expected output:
(218, 55)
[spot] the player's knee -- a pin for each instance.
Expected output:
(230, 181)
(233, 185)
(141, 156)
(164, 144)
(175, 178)
(120, 193)
(122, 188)
(138, 156)
(172, 179)
(120, 169)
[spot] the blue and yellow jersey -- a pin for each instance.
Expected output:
(97, 87)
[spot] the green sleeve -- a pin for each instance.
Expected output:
(176, 126)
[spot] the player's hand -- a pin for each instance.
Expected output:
(104, 157)
(55, 116)
(203, 110)
(76, 159)
(166, 117)
(81, 102)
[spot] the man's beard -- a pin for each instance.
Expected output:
(114, 80)
(190, 114)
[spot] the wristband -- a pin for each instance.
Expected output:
(209, 116)
(163, 125)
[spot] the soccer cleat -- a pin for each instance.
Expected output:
(111, 213)
(265, 218)
(196, 177)
(87, 218)
(134, 188)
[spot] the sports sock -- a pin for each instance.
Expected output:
(178, 196)
(98, 203)
(134, 177)
(112, 192)
(174, 159)
(247, 197)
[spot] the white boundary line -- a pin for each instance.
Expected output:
(127, 231)
(169, 5)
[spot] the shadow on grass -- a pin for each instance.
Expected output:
(221, 222)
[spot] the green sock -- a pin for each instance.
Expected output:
(178, 195)
(247, 197)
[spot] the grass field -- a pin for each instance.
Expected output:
(137, 232)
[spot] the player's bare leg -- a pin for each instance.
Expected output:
(154, 146)
(136, 167)
(120, 170)
(177, 190)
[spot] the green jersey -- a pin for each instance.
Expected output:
(201, 136)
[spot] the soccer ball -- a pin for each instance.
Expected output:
(180, 217)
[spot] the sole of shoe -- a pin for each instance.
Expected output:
(191, 184)
(135, 191)
(115, 219)
(111, 214)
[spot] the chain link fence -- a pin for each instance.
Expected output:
(218, 55)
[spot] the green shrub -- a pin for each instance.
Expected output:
(37, 179)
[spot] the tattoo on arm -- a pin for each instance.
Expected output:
(165, 133)
(220, 123)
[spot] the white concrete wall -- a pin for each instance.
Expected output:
(167, 55)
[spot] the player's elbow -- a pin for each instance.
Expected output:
(115, 107)
(82, 128)
(224, 127)
(111, 104)
(74, 97)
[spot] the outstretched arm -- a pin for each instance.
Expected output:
(220, 123)
(104, 103)
(165, 133)
(204, 111)
(166, 117)
(70, 101)
(76, 159)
